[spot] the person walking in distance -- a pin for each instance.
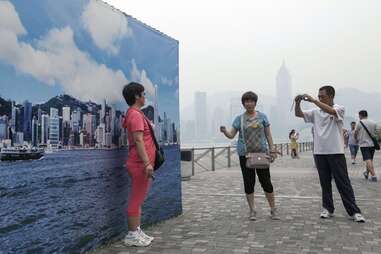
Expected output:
(365, 130)
(352, 142)
(327, 119)
(294, 136)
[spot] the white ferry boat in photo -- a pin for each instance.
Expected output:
(21, 153)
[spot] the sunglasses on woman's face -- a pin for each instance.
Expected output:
(143, 94)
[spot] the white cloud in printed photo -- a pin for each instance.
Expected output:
(141, 77)
(106, 26)
(166, 81)
(56, 60)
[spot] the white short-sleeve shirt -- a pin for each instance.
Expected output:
(328, 130)
(363, 136)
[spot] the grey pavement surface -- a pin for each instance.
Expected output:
(215, 217)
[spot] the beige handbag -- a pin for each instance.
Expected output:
(255, 160)
(258, 160)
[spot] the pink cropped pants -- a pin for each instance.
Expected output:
(140, 185)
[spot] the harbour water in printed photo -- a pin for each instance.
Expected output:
(87, 187)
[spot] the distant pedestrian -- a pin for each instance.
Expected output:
(327, 119)
(254, 137)
(140, 161)
(294, 136)
(365, 130)
(352, 142)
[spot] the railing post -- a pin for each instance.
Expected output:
(288, 148)
(281, 149)
(229, 157)
(213, 162)
(192, 161)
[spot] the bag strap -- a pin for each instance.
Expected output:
(366, 129)
(152, 133)
(243, 134)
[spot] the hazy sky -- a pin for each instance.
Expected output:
(239, 45)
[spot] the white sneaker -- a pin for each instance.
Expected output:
(325, 214)
(146, 237)
(253, 215)
(274, 214)
(135, 239)
(357, 217)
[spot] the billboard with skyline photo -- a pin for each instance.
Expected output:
(63, 66)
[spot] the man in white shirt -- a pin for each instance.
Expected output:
(366, 143)
(327, 119)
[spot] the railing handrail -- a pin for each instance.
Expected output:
(302, 147)
(234, 146)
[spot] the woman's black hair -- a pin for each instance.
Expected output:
(289, 135)
(249, 96)
(131, 90)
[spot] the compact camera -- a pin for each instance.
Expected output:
(302, 97)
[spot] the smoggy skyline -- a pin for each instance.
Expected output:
(228, 46)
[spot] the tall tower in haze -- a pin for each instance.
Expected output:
(281, 116)
(283, 87)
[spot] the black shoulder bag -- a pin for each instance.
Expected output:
(159, 152)
(375, 142)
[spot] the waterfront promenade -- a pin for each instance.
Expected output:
(214, 219)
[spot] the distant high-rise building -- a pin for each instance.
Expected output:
(90, 128)
(76, 120)
(82, 137)
(19, 120)
(100, 134)
(156, 111)
(44, 128)
(27, 121)
(19, 138)
(84, 121)
(54, 127)
(108, 122)
(34, 131)
(39, 124)
(201, 110)
(108, 140)
(103, 112)
(113, 121)
(284, 88)
(3, 127)
(65, 133)
(281, 117)
(66, 114)
(13, 117)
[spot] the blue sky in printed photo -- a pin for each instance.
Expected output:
(85, 49)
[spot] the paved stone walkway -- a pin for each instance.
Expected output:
(215, 216)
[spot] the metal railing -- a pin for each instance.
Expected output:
(195, 155)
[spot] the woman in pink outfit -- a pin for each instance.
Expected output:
(140, 161)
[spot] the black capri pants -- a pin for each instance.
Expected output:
(249, 177)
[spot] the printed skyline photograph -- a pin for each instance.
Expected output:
(63, 141)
